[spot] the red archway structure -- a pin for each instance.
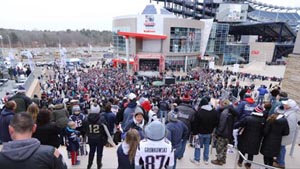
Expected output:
(135, 35)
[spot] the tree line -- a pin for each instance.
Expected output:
(47, 38)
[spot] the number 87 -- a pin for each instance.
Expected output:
(150, 161)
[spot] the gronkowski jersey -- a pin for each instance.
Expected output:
(154, 154)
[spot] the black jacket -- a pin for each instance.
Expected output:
(186, 114)
(250, 139)
(206, 119)
(94, 128)
(226, 122)
(273, 133)
(48, 134)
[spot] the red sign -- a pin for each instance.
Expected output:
(255, 52)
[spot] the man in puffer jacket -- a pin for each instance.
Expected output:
(223, 132)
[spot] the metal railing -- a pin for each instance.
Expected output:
(28, 81)
(251, 162)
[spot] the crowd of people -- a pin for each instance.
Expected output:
(151, 124)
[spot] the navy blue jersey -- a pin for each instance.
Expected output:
(78, 119)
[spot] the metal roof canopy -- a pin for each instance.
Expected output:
(274, 30)
(142, 35)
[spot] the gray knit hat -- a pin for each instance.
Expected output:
(138, 110)
(155, 131)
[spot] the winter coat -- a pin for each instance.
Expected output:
(206, 119)
(5, 118)
(73, 139)
(93, 126)
(128, 113)
(60, 116)
(186, 114)
(22, 102)
(123, 157)
(133, 125)
(177, 131)
(245, 108)
(273, 133)
(250, 139)
(292, 119)
(226, 122)
(29, 154)
(110, 118)
(48, 134)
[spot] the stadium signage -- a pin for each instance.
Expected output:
(255, 52)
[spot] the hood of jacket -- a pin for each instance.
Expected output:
(250, 100)
(207, 107)
(93, 117)
(19, 150)
(6, 112)
(125, 148)
(132, 104)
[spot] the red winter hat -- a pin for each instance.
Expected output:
(186, 98)
(146, 105)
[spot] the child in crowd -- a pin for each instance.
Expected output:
(78, 117)
(73, 142)
(126, 151)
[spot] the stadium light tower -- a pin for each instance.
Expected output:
(1, 38)
(9, 42)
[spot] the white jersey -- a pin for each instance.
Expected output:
(154, 154)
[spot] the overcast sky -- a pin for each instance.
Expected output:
(76, 14)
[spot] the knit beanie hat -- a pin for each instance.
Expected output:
(95, 108)
(203, 102)
(172, 116)
(155, 131)
(138, 110)
(76, 109)
(259, 109)
(146, 105)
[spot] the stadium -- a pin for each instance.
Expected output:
(242, 32)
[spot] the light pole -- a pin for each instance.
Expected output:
(1, 38)
(9, 42)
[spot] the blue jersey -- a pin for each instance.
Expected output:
(78, 119)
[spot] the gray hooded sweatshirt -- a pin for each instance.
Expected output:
(29, 154)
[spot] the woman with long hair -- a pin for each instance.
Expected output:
(33, 110)
(126, 151)
(46, 131)
(276, 127)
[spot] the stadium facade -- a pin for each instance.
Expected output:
(242, 31)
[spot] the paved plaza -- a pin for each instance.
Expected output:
(110, 158)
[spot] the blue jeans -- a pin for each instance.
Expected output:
(176, 154)
(281, 156)
(204, 140)
(182, 149)
(260, 99)
(162, 115)
(272, 99)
